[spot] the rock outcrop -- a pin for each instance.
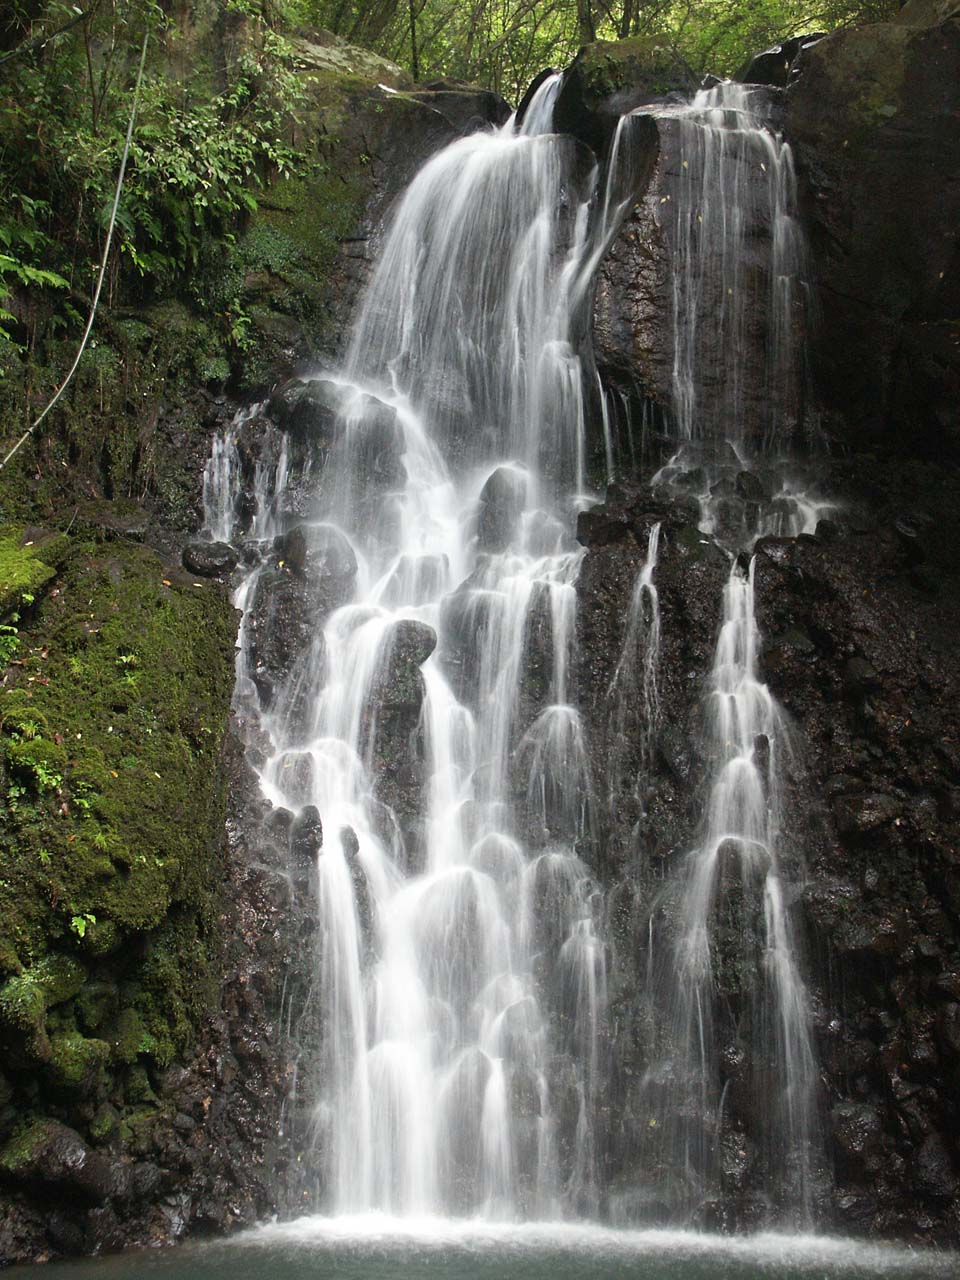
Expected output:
(874, 117)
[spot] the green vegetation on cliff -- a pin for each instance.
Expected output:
(111, 725)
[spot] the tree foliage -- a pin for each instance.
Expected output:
(502, 44)
(200, 150)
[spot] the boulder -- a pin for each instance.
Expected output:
(306, 406)
(306, 835)
(609, 78)
(209, 559)
(872, 115)
(50, 1156)
(399, 682)
(773, 66)
(501, 504)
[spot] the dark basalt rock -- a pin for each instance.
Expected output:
(282, 626)
(501, 504)
(609, 78)
(400, 683)
(306, 836)
(317, 552)
(464, 106)
(882, 204)
(867, 670)
(52, 1156)
(773, 66)
(209, 559)
(306, 406)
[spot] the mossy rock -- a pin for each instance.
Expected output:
(643, 65)
(110, 835)
(865, 73)
(76, 1062)
(26, 998)
(28, 561)
(326, 55)
(926, 13)
(613, 76)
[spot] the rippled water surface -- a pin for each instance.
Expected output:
(373, 1248)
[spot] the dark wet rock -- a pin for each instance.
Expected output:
(306, 836)
(306, 406)
(750, 487)
(282, 626)
(933, 1169)
(773, 66)
(860, 676)
(400, 683)
(361, 889)
(857, 1131)
(867, 670)
(912, 530)
(885, 358)
(501, 504)
(318, 552)
(398, 747)
(376, 442)
(52, 1156)
(609, 78)
(464, 106)
(209, 559)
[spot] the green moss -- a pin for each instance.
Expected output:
(23, 1148)
(27, 564)
(105, 1124)
(113, 809)
(644, 63)
(867, 69)
(137, 1130)
(77, 1063)
(25, 1000)
(138, 1089)
(128, 1036)
(275, 282)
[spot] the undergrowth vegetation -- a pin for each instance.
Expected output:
(203, 146)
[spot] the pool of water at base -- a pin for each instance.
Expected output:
(375, 1248)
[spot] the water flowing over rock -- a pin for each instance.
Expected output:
(567, 874)
(591, 849)
(453, 909)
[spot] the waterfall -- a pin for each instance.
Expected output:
(732, 912)
(726, 980)
(461, 978)
(429, 721)
(736, 174)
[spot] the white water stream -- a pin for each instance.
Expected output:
(454, 1037)
(463, 975)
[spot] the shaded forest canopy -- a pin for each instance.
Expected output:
(502, 44)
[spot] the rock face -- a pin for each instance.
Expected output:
(609, 78)
(873, 115)
(859, 652)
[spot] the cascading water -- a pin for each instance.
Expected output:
(462, 983)
(727, 983)
(462, 977)
(736, 175)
